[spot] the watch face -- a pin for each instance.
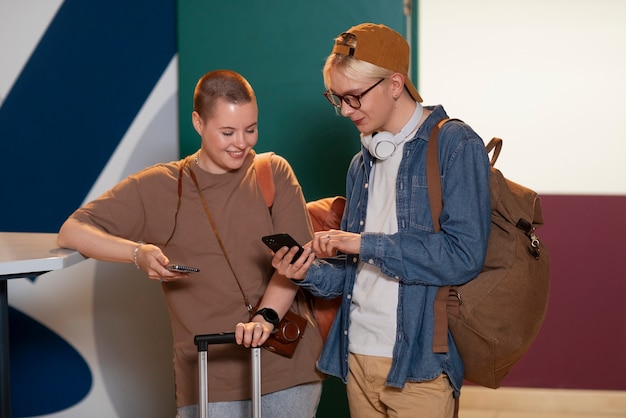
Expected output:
(269, 315)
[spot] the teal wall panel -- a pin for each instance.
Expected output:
(280, 47)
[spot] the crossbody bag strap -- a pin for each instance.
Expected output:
(246, 301)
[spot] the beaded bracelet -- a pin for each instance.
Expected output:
(135, 256)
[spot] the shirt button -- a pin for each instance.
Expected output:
(361, 222)
(354, 260)
(366, 185)
(371, 261)
(348, 296)
(345, 332)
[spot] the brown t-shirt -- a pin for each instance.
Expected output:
(143, 208)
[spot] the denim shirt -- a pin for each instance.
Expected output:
(418, 258)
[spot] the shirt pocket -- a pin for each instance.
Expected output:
(419, 207)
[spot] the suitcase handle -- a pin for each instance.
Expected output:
(203, 341)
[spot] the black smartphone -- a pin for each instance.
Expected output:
(181, 269)
(277, 241)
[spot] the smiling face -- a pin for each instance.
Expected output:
(228, 135)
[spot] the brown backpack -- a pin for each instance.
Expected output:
(325, 214)
(495, 317)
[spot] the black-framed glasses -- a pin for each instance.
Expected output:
(352, 100)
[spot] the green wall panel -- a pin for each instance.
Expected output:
(280, 47)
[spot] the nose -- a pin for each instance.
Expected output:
(346, 109)
(239, 140)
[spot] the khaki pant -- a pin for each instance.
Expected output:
(368, 396)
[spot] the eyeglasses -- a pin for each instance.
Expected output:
(352, 100)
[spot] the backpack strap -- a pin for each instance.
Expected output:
(447, 296)
(433, 175)
(494, 145)
(265, 178)
(435, 198)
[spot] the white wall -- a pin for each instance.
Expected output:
(545, 75)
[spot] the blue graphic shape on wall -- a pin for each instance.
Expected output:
(74, 100)
(49, 373)
(67, 112)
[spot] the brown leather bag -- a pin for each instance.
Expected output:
(325, 214)
(285, 338)
(495, 317)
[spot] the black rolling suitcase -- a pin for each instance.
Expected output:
(203, 342)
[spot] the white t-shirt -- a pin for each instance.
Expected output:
(375, 295)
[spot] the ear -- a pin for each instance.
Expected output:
(196, 121)
(397, 84)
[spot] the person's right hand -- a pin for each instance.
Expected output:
(296, 270)
(152, 261)
(253, 333)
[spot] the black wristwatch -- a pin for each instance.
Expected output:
(269, 315)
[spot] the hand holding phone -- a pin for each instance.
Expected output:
(181, 269)
(277, 241)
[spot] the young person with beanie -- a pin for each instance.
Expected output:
(380, 343)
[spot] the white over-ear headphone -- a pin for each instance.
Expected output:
(383, 145)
